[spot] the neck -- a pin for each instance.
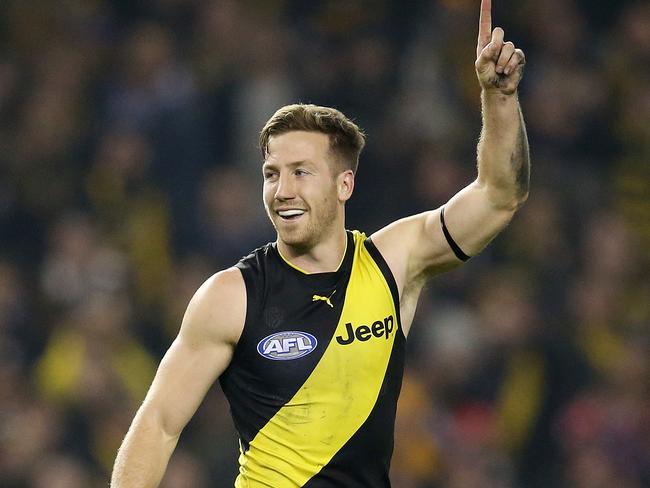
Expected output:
(324, 257)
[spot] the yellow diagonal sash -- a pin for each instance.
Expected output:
(336, 398)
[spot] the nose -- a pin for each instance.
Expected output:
(286, 189)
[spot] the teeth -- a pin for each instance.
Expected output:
(290, 213)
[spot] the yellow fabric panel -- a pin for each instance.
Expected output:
(135, 368)
(520, 398)
(338, 396)
(603, 347)
(58, 372)
(148, 232)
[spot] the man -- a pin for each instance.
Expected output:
(307, 334)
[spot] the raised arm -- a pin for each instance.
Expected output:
(476, 214)
(420, 246)
(201, 352)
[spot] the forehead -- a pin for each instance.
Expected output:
(298, 146)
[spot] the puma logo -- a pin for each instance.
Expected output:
(316, 298)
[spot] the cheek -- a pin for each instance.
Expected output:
(267, 194)
(328, 200)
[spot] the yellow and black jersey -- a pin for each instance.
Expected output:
(315, 377)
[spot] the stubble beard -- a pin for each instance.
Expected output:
(319, 223)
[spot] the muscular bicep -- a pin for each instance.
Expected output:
(420, 246)
(200, 353)
(471, 221)
(183, 378)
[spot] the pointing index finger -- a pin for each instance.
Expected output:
(484, 25)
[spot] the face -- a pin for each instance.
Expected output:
(303, 193)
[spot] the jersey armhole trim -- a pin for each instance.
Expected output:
(388, 275)
(251, 293)
(458, 252)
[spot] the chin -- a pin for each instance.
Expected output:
(298, 238)
(295, 239)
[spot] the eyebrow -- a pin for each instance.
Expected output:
(293, 164)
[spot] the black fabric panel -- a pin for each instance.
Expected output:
(370, 449)
(279, 299)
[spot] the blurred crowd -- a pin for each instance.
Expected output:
(129, 173)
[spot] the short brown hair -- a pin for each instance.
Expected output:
(346, 138)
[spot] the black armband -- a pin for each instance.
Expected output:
(454, 247)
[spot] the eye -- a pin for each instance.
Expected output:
(269, 175)
(301, 172)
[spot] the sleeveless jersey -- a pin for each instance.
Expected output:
(314, 379)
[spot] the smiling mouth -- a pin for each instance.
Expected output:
(289, 215)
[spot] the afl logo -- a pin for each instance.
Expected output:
(286, 345)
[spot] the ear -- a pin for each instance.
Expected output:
(345, 185)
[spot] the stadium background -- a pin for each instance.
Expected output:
(129, 173)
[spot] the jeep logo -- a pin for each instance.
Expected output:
(365, 332)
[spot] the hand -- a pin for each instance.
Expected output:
(499, 65)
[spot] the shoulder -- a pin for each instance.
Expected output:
(256, 257)
(415, 248)
(397, 232)
(394, 242)
(217, 310)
